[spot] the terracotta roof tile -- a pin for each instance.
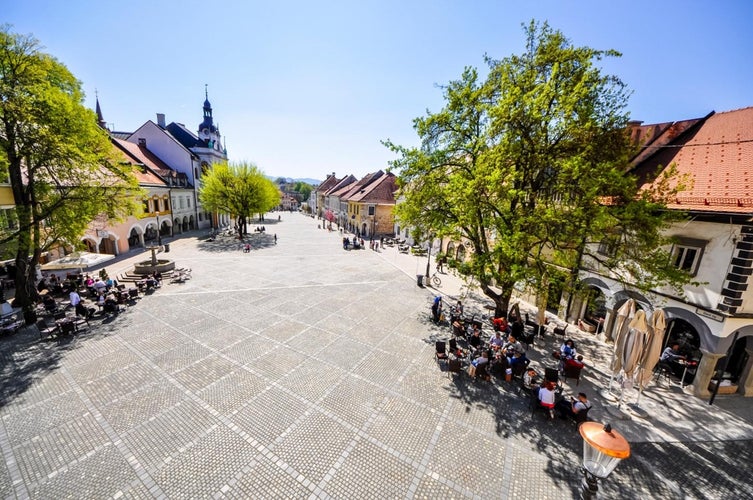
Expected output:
(140, 155)
(717, 155)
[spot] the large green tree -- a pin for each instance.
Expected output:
(528, 167)
(58, 161)
(240, 190)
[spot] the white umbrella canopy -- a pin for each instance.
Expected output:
(619, 332)
(634, 343)
(77, 260)
(652, 351)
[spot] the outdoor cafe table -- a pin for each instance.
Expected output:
(686, 364)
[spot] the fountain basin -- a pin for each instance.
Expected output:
(146, 267)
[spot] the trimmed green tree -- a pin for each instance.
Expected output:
(60, 164)
(528, 167)
(240, 190)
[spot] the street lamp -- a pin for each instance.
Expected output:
(159, 234)
(603, 448)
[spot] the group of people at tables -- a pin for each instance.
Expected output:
(546, 393)
(102, 290)
(502, 354)
(505, 351)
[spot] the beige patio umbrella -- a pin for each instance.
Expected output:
(619, 332)
(652, 350)
(635, 342)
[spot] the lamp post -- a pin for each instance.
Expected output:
(159, 233)
(603, 448)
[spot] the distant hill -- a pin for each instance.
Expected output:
(313, 182)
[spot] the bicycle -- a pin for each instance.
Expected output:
(435, 280)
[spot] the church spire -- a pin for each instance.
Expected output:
(100, 119)
(208, 132)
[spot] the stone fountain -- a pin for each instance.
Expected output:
(154, 264)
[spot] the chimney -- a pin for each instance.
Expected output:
(142, 142)
(161, 119)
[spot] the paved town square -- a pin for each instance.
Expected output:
(301, 370)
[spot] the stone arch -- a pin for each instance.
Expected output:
(460, 254)
(450, 250)
(108, 245)
(705, 337)
(641, 301)
(177, 225)
(90, 243)
(166, 227)
(135, 236)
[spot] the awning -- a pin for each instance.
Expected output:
(78, 260)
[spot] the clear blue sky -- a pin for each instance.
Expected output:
(307, 88)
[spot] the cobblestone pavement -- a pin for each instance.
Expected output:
(298, 370)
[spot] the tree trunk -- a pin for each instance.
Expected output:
(501, 299)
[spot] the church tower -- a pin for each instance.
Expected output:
(209, 134)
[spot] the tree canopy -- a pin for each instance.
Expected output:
(240, 190)
(59, 162)
(529, 168)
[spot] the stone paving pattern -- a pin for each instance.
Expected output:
(299, 370)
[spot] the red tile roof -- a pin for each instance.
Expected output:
(715, 152)
(382, 190)
(138, 154)
(328, 183)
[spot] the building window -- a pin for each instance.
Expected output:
(687, 253)
(608, 246)
(371, 210)
(146, 207)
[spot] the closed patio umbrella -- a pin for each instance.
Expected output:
(652, 350)
(619, 332)
(634, 343)
(633, 346)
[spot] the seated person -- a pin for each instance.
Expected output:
(531, 380)
(567, 350)
(456, 312)
(496, 342)
(547, 397)
(518, 362)
(482, 359)
(512, 346)
(151, 282)
(49, 302)
(110, 304)
(475, 339)
(576, 363)
(83, 311)
(672, 358)
(672, 353)
(99, 286)
(517, 329)
(574, 406)
(500, 324)
(458, 329)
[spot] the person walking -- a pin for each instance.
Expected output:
(275, 238)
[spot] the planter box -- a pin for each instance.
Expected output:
(586, 326)
(724, 389)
